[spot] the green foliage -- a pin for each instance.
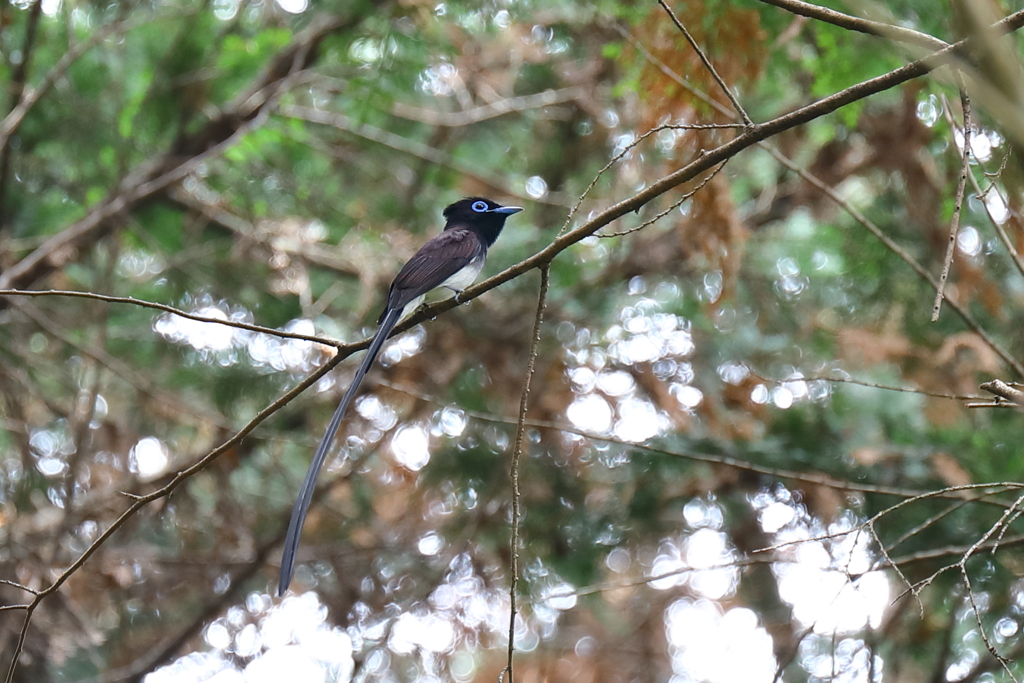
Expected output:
(683, 387)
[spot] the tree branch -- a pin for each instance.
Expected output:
(517, 452)
(488, 111)
(34, 293)
(961, 185)
(707, 64)
(874, 28)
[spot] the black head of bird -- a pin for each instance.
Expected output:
(482, 216)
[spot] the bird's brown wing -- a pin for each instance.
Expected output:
(435, 262)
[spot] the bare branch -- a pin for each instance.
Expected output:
(861, 383)
(962, 564)
(982, 195)
(517, 452)
(954, 223)
(626, 150)
(488, 111)
(707, 64)
(954, 551)
(907, 535)
(1005, 391)
(167, 309)
(17, 585)
(670, 209)
(874, 28)
(708, 458)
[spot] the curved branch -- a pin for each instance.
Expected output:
(468, 117)
(851, 23)
(166, 309)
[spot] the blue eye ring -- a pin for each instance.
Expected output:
(479, 207)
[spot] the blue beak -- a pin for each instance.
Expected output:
(507, 210)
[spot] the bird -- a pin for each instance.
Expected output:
(453, 260)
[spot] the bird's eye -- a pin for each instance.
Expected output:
(479, 207)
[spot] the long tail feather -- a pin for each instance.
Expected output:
(291, 541)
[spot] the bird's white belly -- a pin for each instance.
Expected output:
(456, 283)
(465, 277)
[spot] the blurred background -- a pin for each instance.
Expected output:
(705, 496)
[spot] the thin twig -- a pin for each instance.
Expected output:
(851, 23)
(961, 310)
(488, 111)
(982, 195)
(1015, 256)
(703, 457)
(625, 150)
(954, 223)
(707, 64)
(1006, 527)
(962, 564)
(862, 383)
(952, 551)
(17, 585)
(168, 309)
(914, 558)
(907, 535)
(670, 209)
(994, 176)
(517, 452)
(986, 489)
